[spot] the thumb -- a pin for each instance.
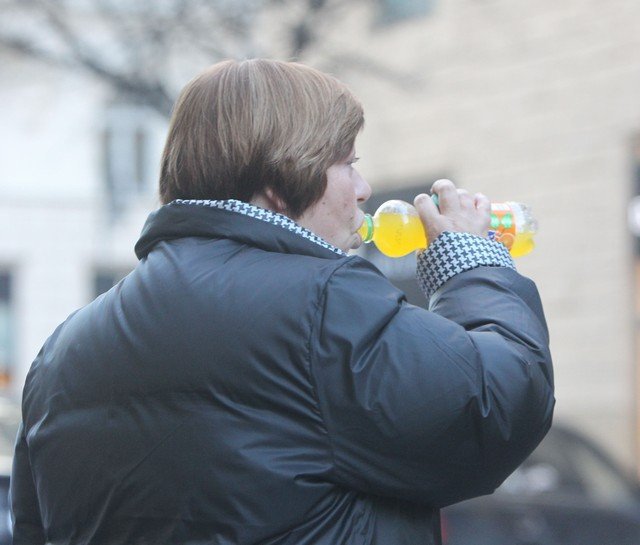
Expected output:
(429, 214)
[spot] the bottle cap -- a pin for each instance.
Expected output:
(366, 229)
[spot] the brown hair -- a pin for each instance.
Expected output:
(241, 127)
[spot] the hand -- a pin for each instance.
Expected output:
(458, 211)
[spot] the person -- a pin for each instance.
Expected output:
(250, 382)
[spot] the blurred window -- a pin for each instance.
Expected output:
(105, 279)
(633, 211)
(10, 417)
(6, 327)
(633, 217)
(392, 11)
(127, 157)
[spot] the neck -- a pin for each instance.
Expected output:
(269, 200)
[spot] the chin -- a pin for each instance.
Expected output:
(355, 244)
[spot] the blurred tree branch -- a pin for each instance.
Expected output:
(145, 49)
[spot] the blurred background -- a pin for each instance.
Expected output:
(531, 101)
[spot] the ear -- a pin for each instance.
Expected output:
(269, 199)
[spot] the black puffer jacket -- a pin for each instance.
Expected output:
(245, 385)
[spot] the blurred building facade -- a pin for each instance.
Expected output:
(77, 179)
(531, 101)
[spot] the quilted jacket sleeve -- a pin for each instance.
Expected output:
(431, 406)
(27, 525)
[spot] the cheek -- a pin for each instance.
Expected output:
(341, 203)
(339, 207)
(346, 211)
(348, 200)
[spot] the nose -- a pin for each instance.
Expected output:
(363, 190)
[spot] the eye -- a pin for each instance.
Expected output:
(354, 160)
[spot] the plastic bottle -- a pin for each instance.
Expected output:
(397, 230)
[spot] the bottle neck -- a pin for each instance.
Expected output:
(366, 229)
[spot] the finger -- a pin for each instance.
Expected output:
(483, 206)
(482, 203)
(466, 200)
(429, 215)
(427, 209)
(447, 195)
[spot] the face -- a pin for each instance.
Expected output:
(336, 216)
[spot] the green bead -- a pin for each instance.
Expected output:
(495, 222)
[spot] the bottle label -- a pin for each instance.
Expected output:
(503, 225)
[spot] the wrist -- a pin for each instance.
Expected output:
(452, 253)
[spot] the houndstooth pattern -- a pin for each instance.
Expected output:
(453, 253)
(262, 214)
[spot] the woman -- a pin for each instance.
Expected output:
(251, 383)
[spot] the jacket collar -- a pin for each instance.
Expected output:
(231, 219)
